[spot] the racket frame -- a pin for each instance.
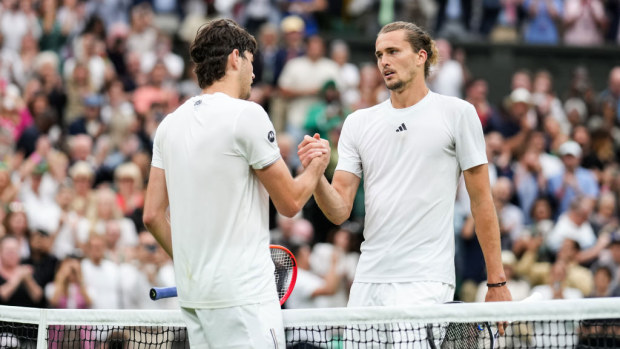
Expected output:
(291, 285)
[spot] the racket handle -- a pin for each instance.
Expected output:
(162, 292)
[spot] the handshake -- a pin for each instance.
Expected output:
(314, 150)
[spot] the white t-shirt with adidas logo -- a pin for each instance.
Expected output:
(208, 148)
(411, 159)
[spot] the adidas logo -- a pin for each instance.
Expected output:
(402, 127)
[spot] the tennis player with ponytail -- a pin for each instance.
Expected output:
(215, 162)
(411, 150)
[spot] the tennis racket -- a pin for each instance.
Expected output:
(460, 335)
(285, 273)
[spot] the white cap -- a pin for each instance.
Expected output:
(521, 95)
(570, 148)
(292, 23)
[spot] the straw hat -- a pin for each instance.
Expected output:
(292, 24)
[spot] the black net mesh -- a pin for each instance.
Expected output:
(116, 337)
(340, 334)
(532, 334)
(18, 335)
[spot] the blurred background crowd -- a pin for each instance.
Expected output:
(85, 83)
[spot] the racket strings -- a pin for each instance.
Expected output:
(283, 272)
(460, 336)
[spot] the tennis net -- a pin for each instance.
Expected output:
(585, 323)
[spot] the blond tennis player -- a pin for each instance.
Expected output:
(411, 150)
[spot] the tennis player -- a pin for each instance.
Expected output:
(411, 150)
(215, 161)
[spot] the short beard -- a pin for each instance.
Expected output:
(395, 86)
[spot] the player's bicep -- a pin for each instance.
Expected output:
(279, 184)
(477, 183)
(346, 184)
(156, 201)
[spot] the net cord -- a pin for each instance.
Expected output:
(92, 317)
(580, 309)
(590, 308)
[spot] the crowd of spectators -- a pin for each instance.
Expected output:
(84, 85)
(554, 175)
(569, 22)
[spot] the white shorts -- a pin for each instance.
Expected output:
(248, 326)
(366, 294)
(397, 335)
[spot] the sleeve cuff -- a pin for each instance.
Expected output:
(349, 168)
(473, 162)
(259, 165)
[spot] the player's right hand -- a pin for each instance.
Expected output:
(312, 147)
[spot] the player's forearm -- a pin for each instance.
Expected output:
(331, 202)
(485, 221)
(487, 230)
(159, 226)
(155, 216)
(303, 187)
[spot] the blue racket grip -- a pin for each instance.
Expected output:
(162, 292)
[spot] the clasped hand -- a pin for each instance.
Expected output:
(313, 147)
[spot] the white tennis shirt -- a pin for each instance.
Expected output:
(208, 149)
(411, 159)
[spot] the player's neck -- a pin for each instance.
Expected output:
(409, 96)
(225, 86)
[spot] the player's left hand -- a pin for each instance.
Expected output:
(499, 294)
